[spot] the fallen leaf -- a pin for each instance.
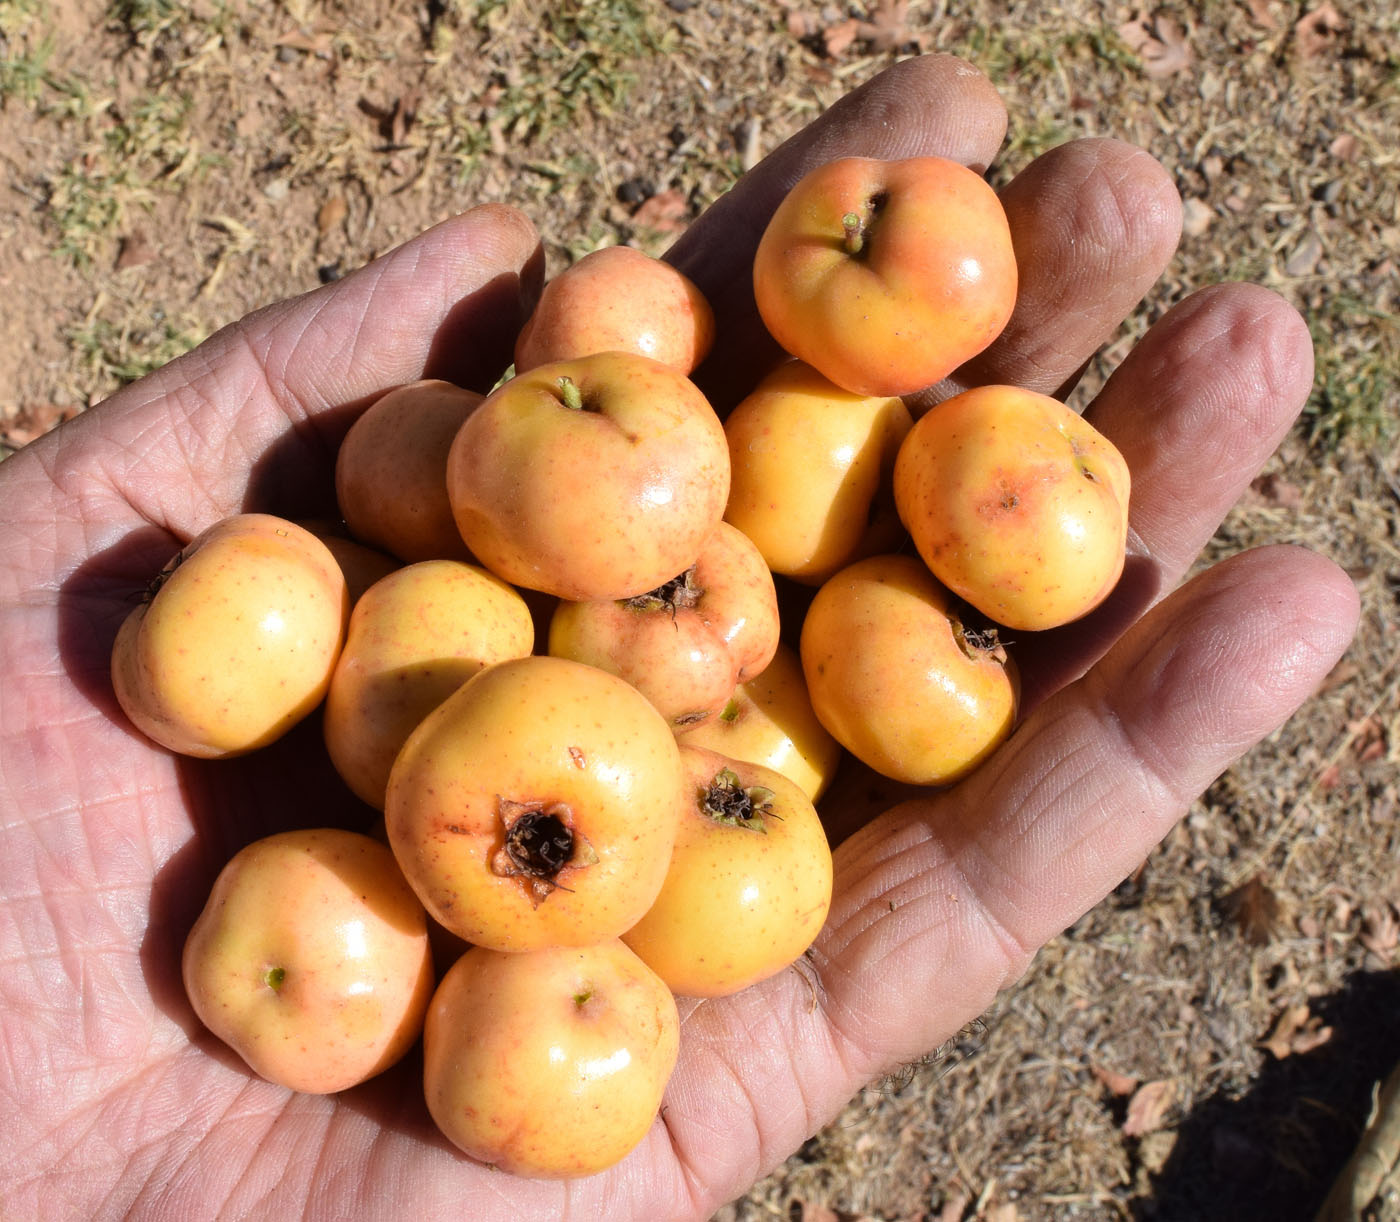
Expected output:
(331, 214)
(316, 41)
(1161, 45)
(1196, 217)
(1297, 1031)
(1274, 490)
(1115, 1083)
(664, 212)
(1005, 1212)
(955, 1205)
(838, 38)
(1147, 1109)
(405, 111)
(1380, 930)
(1368, 739)
(1344, 147)
(32, 420)
(888, 27)
(134, 250)
(1304, 259)
(1255, 909)
(1261, 12)
(1319, 31)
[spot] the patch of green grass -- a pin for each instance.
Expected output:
(584, 55)
(144, 20)
(121, 354)
(87, 205)
(1356, 389)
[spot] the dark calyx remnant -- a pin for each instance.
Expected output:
(175, 561)
(976, 635)
(727, 801)
(538, 845)
(678, 594)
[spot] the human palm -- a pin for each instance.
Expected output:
(118, 1104)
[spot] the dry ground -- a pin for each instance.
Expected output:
(1205, 1043)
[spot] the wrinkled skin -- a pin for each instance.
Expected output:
(114, 1105)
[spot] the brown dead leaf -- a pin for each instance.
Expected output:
(1304, 259)
(1369, 739)
(1319, 31)
(955, 1205)
(1161, 44)
(1380, 929)
(405, 111)
(332, 213)
(888, 26)
(315, 41)
(838, 38)
(134, 250)
(32, 420)
(1115, 1083)
(1147, 1109)
(664, 212)
(1196, 217)
(1005, 1212)
(1297, 1031)
(1274, 490)
(1254, 907)
(1344, 147)
(1262, 13)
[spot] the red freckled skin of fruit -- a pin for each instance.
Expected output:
(933, 282)
(1016, 504)
(607, 500)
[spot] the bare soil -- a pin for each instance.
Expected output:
(1208, 1041)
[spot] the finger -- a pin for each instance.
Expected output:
(1196, 409)
(1094, 223)
(252, 417)
(934, 105)
(942, 902)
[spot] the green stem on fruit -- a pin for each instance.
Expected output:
(855, 233)
(730, 712)
(572, 396)
(274, 976)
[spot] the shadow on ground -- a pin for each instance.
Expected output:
(1273, 1152)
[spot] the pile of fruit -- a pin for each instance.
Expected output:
(546, 645)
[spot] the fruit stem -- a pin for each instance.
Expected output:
(855, 233)
(572, 396)
(274, 976)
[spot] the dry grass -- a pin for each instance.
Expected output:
(168, 168)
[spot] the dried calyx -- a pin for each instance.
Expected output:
(726, 800)
(679, 594)
(538, 844)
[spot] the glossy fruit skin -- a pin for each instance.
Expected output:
(811, 469)
(606, 500)
(559, 741)
(328, 910)
(549, 1064)
(618, 299)
(1016, 504)
(933, 284)
(391, 471)
(769, 721)
(237, 643)
(684, 652)
(892, 678)
(415, 637)
(740, 902)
